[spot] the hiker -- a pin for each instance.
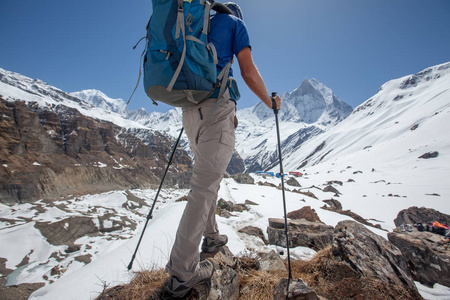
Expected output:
(211, 133)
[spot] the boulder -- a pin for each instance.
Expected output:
(427, 256)
(306, 212)
(271, 262)
(230, 206)
(243, 178)
(370, 254)
(428, 155)
(293, 182)
(304, 233)
(423, 215)
(298, 290)
(333, 204)
(331, 189)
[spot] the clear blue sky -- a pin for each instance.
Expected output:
(352, 46)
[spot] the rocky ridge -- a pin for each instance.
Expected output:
(56, 151)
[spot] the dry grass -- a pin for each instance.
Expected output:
(330, 279)
(148, 285)
(259, 285)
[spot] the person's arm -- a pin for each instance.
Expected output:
(253, 79)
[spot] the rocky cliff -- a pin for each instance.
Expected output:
(54, 151)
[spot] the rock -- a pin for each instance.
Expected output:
(243, 178)
(236, 164)
(428, 155)
(304, 233)
(224, 283)
(230, 206)
(335, 182)
(254, 231)
(423, 215)
(271, 262)
(298, 290)
(248, 202)
(19, 292)
(267, 184)
(56, 151)
(331, 189)
(306, 212)
(333, 204)
(370, 254)
(428, 258)
(67, 231)
(222, 204)
(293, 182)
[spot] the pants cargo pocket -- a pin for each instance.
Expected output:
(225, 150)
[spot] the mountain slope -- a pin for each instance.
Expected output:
(54, 144)
(408, 116)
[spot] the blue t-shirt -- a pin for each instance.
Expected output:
(229, 35)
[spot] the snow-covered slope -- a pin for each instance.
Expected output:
(407, 117)
(377, 149)
(14, 86)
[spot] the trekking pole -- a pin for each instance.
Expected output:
(150, 214)
(275, 110)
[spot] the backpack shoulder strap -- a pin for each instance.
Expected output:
(220, 8)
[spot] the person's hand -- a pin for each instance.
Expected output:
(278, 101)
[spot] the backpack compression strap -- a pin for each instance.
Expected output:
(179, 27)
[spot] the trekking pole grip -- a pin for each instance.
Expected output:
(274, 103)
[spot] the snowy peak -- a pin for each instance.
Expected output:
(99, 99)
(313, 102)
(305, 112)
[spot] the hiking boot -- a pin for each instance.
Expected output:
(177, 289)
(209, 245)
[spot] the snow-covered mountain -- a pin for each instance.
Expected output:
(307, 111)
(91, 103)
(407, 117)
(100, 100)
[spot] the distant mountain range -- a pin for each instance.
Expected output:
(309, 113)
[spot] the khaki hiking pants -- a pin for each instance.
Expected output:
(212, 139)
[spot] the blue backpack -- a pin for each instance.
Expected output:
(180, 65)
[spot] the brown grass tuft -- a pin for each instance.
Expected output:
(148, 285)
(259, 285)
